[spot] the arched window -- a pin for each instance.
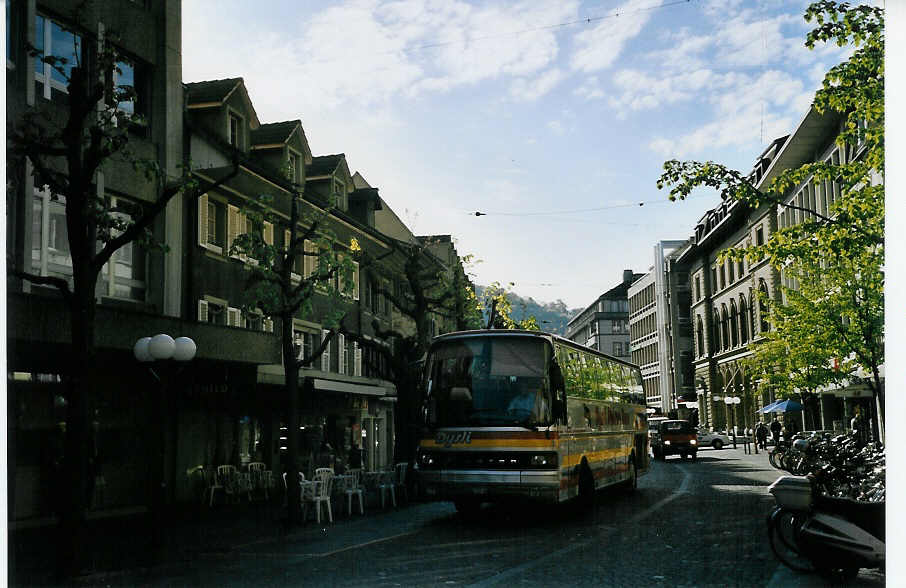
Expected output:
(763, 306)
(752, 307)
(724, 327)
(715, 332)
(734, 324)
(743, 320)
(700, 333)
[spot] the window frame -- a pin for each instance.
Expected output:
(236, 142)
(46, 77)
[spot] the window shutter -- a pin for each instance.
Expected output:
(358, 359)
(341, 355)
(310, 263)
(244, 229)
(269, 233)
(202, 311)
(203, 220)
(325, 356)
(234, 317)
(233, 220)
(268, 325)
(299, 341)
(355, 280)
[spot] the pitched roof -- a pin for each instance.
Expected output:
(323, 165)
(272, 133)
(211, 90)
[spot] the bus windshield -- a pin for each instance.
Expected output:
(489, 381)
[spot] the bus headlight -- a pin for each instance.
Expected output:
(666, 442)
(543, 460)
(693, 442)
(426, 459)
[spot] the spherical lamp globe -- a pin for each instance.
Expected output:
(161, 346)
(141, 349)
(184, 349)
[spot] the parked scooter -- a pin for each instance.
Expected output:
(811, 532)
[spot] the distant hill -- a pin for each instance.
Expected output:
(551, 316)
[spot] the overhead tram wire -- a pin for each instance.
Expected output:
(575, 211)
(586, 20)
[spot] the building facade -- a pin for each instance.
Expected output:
(727, 312)
(660, 331)
(228, 405)
(604, 324)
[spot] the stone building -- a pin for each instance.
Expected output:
(726, 312)
(604, 324)
(661, 333)
(227, 406)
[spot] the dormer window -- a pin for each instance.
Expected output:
(339, 194)
(235, 130)
(294, 167)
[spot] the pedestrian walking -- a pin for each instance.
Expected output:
(776, 427)
(761, 435)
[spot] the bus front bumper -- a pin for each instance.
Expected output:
(490, 485)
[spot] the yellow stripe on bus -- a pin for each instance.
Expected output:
(494, 443)
(594, 456)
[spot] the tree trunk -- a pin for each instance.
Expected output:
(77, 478)
(291, 371)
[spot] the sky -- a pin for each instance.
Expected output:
(552, 118)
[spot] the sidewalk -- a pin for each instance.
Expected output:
(122, 548)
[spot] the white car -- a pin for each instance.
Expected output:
(713, 438)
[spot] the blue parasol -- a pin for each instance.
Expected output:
(784, 406)
(768, 408)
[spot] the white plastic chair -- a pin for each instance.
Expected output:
(353, 488)
(320, 493)
(388, 483)
(228, 481)
(256, 477)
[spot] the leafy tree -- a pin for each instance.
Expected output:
(430, 293)
(836, 259)
(67, 147)
(465, 307)
(497, 305)
(273, 289)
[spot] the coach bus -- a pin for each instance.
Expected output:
(525, 414)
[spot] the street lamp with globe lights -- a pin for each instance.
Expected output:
(732, 401)
(171, 355)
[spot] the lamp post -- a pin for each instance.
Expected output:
(732, 401)
(171, 355)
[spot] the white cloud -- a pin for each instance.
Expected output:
(527, 90)
(642, 91)
(556, 127)
(599, 47)
(369, 51)
(746, 110)
(590, 89)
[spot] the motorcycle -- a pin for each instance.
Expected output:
(812, 532)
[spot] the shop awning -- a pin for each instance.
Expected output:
(335, 386)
